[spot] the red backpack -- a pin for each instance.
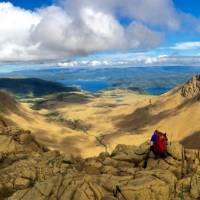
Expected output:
(160, 146)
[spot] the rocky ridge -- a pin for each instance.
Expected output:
(28, 170)
(192, 87)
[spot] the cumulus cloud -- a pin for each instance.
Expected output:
(77, 27)
(186, 46)
(60, 32)
(15, 28)
(152, 12)
(141, 37)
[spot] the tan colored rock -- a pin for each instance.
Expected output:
(108, 198)
(195, 186)
(146, 188)
(92, 170)
(183, 187)
(192, 87)
(21, 183)
(175, 149)
(130, 153)
(27, 172)
(67, 158)
(25, 138)
(165, 175)
(94, 162)
(109, 170)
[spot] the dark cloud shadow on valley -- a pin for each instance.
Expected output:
(192, 141)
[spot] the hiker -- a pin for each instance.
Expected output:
(159, 143)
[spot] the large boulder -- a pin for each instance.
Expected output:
(175, 150)
(131, 153)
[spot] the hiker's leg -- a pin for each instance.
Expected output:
(151, 148)
(163, 155)
(154, 152)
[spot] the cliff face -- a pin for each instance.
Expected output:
(192, 88)
(28, 170)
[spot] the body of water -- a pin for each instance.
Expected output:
(88, 85)
(157, 90)
(99, 85)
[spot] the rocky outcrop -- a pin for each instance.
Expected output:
(30, 171)
(192, 87)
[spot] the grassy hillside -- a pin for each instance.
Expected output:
(89, 124)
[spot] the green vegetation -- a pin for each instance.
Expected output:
(75, 124)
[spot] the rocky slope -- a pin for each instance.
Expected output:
(179, 107)
(28, 170)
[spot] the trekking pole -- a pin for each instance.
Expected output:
(183, 160)
(118, 190)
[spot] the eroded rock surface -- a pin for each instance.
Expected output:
(30, 171)
(192, 87)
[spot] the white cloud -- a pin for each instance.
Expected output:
(152, 12)
(186, 46)
(91, 63)
(137, 60)
(15, 28)
(139, 36)
(55, 33)
(164, 60)
(77, 27)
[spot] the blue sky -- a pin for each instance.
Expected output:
(191, 6)
(31, 4)
(188, 6)
(70, 33)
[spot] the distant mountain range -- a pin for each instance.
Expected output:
(32, 87)
(152, 80)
